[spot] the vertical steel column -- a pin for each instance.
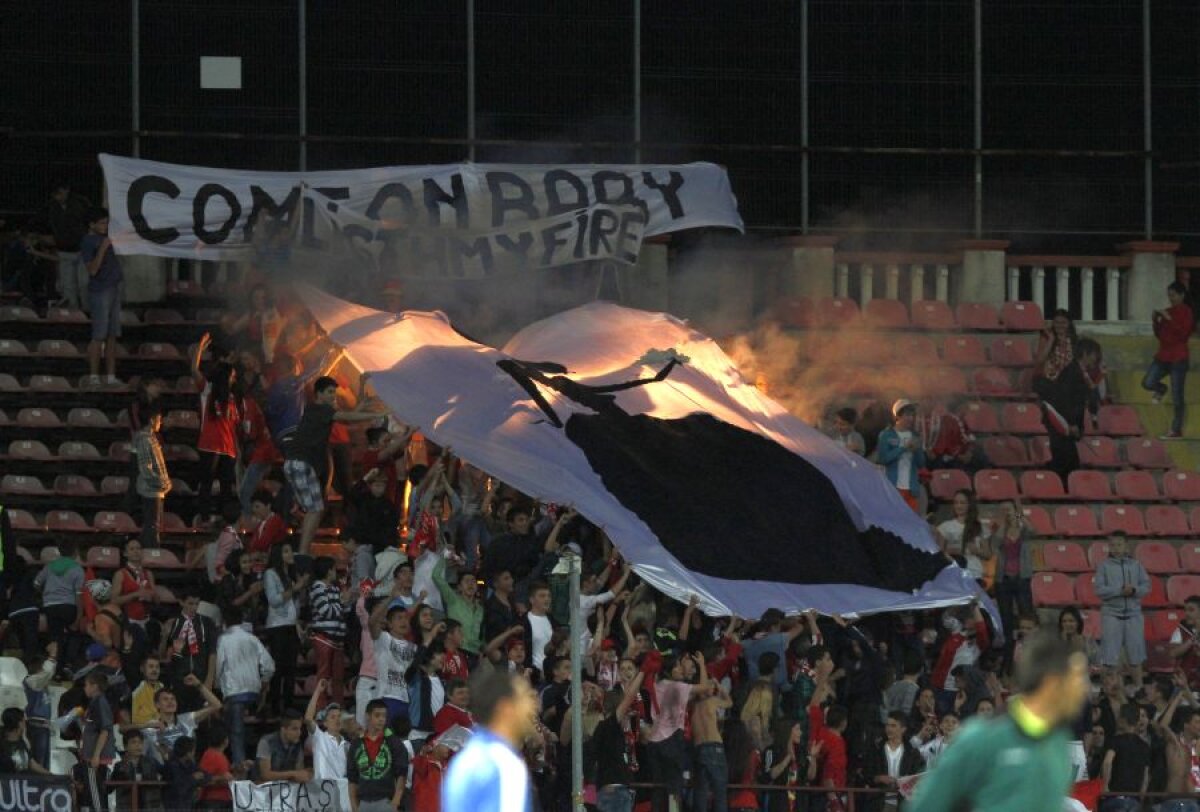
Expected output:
(637, 81)
(577, 629)
(135, 77)
(804, 192)
(978, 113)
(302, 74)
(1148, 141)
(471, 80)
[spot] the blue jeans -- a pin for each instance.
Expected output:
(1153, 382)
(106, 312)
(1120, 803)
(397, 708)
(251, 478)
(472, 535)
(235, 720)
(39, 744)
(1178, 805)
(711, 778)
(615, 798)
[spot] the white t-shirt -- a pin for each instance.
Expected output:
(904, 464)
(893, 759)
(392, 659)
(329, 756)
(423, 579)
(542, 631)
(587, 605)
(952, 531)
(158, 741)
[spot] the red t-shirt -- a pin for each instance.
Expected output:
(746, 798)
(455, 666)
(218, 432)
(270, 531)
(833, 753)
(134, 582)
(427, 784)
(255, 434)
(1173, 334)
(370, 459)
(214, 763)
(449, 716)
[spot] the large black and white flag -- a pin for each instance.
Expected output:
(706, 485)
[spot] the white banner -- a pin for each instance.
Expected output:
(330, 795)
(170, 210)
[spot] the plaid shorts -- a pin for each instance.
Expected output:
(308, 490)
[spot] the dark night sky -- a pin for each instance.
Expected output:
(1062, 75)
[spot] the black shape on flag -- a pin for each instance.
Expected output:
(683, 477)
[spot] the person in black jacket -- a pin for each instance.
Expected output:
(890, 760)
(1065, 403)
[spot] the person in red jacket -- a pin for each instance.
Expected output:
(454, 712)
(1173, 326)
(963, 647)
(428, 769)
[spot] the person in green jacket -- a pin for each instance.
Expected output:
(462, 604)
(1019, 762)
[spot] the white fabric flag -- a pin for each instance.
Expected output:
(705, 485)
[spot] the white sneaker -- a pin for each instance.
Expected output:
(112, 380)
(91, 380)
(1157, 398)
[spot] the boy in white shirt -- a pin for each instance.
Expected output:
(329, 746)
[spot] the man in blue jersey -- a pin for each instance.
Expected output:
(489, 775)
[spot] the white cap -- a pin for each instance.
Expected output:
(901, 405)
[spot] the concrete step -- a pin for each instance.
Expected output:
(1125, 386)
(1156, 420)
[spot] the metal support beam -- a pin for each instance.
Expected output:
(978, 113)
(302, 81)
(576, 687)
(1148, 140)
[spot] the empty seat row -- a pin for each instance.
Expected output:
(129, 317)
(1080, 521)
(74, 485)
(69, 521)
(1026, 418)
(1064, 589)
(39, 418)
(926, 315)
(1159, 558)
(999, 484)
(57, 348)
(1007, 451)
(919, 350)
(185, 385)
(81, 451)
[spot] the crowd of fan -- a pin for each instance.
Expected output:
(439, 573)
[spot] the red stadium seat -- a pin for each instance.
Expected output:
(1022, 418)
(105, 558)
(111, 521)
(38, 419)
(29, 450)
(794, 312)
(977, 316)
(945, 380)
(1158, 558)
(186, 385)
(1097, 553)
(10, 347)
(161, 558)
(1039, 451)
(886, 314)
(1166, 521)
(1157, 597)
(944, 483)
(931, 314)
(980, 418)
(964, 351)
(992, 382)
(918, 351)
(995, 485)
(18, 313)
(165, 596)
(185, 287)
(1042, 486)
(1076, 521)
(1064, 556)
(50, 383)
(1006, 451)
(182, 419)
(23, 520)
(1182, 587)
(65, 315)
(1182, 486)
(10, 384)
(1089, 486)
(21, 485)
(66, 521)
(1053, 589)
(4, 421)
(1165, 623)
(1147, 453)
(1099, 452)
(1085, 590)
(74, 450)
(160, 352)
(1137, 486)
(1011, 352)
(1039, 520)
(114, 485)
(163, 315)
(1022, 316)
(1123, 518)
(1092, 624)
(835, 313)
(120, 451)
(1189, 558)
(1119, 421)
(868, 350)
(180, 487)
(73, 485)
(88, 419)
(57, 348)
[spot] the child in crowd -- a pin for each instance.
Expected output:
(182, 775)
(136, 767)
(218, 774)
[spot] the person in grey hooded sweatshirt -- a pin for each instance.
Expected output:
(1121, 582)
(60, 583)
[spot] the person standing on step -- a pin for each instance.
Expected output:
(1173, 326)
(105, 286)
(1065, 391)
